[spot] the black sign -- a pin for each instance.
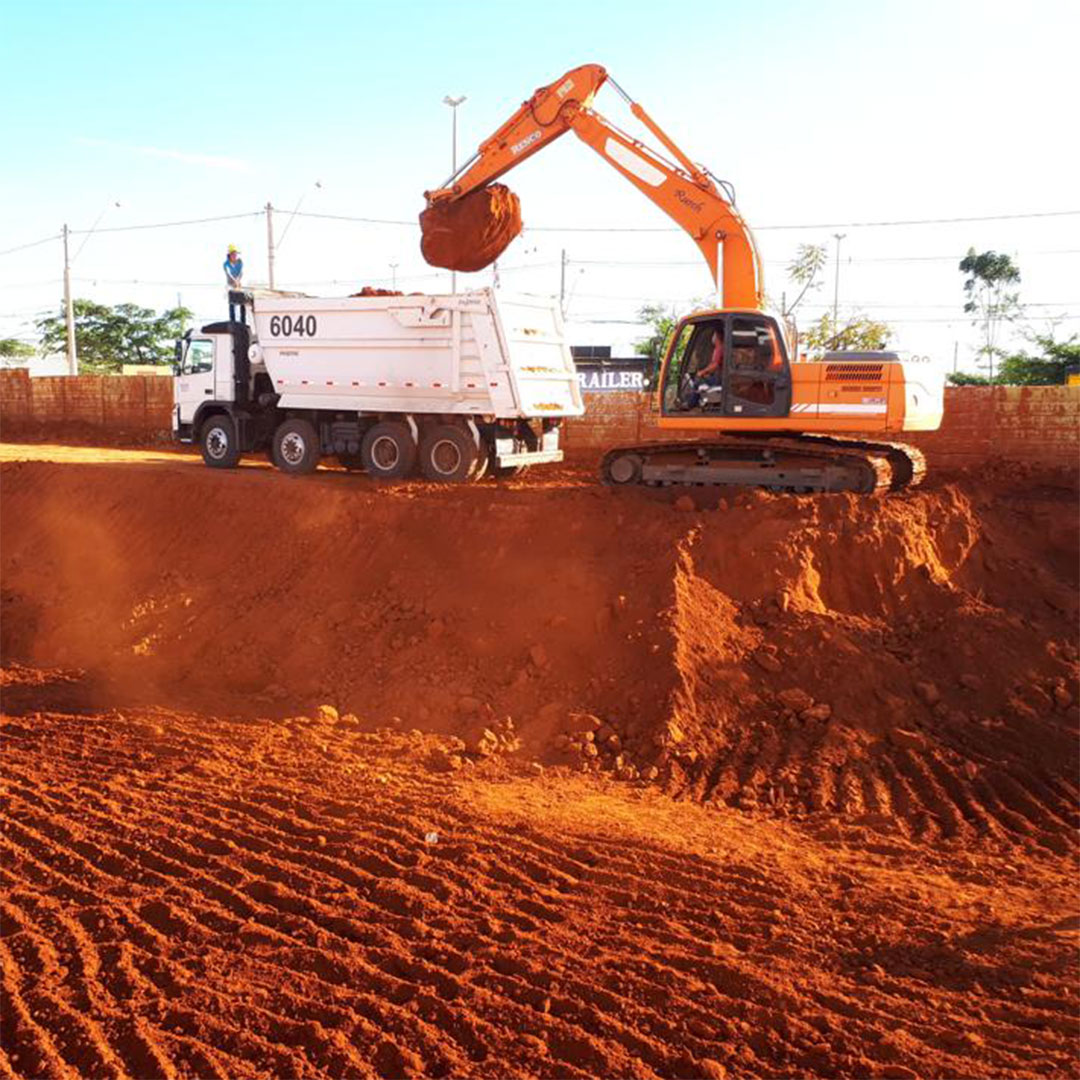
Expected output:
(628, 376)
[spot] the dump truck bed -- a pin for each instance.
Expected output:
(462, 354)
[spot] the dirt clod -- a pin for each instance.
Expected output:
(470, 233)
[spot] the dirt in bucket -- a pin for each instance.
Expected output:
(472, 232)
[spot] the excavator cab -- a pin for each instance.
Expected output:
(753, 378)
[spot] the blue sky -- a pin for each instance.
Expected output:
(823, 113)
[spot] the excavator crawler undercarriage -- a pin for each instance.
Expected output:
(798, 463)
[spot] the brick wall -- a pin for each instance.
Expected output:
(111, 405)
(1038, 424)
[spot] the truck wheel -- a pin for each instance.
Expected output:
(218, 442)
(296, 447)
(448, 454)
(388, 451)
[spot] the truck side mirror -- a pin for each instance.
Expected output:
(178, 357)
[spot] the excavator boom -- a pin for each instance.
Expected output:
(685, 192)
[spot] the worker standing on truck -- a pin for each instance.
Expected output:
(234, 274)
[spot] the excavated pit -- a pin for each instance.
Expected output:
(911, 659)
(470, 233)
(321, 777)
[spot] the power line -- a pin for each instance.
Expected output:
(756, 228)
(819, 225)
(362, 220)
(32, 244)
(673, 263)
(169, 224)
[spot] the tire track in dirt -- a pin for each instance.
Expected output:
(286, 914)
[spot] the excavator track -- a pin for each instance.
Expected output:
(799, 463)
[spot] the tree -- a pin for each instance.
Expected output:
(858, 332)
(108, 337)
(14, 353)
(809, 261)
(988, 299)
(964, 378)
(661, 322)
(1052, 368)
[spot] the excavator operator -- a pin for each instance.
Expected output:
(712, 374)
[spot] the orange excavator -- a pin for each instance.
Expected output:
(753, 414)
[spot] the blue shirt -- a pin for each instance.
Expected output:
(233, 271)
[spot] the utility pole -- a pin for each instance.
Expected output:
(562, 284)
(836, 287)
(270, 241)
(955, 350)
(453, 102)
(69, 312)
(393, 276)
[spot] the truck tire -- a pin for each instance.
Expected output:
(295, 448)
(448, 454)
(218, 442)
(388, 451)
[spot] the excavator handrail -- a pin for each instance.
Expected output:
(688, 193)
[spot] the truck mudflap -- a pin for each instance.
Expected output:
(527, 457)
(527, 450)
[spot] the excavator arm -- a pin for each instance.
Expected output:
(685, 192)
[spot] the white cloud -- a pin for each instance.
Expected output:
(209, 161)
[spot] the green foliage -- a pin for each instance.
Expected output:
(13, 352)
(803, 270)
(662, 322)
(1050, 369)
(962, 378)
(989, 300)
(108, 337)
(857, 332)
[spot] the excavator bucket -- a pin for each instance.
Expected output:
(470, 233)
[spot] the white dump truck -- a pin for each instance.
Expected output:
(452, 385)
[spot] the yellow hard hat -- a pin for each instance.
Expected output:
(233, 250)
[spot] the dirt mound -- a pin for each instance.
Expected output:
(472, 232)
(192, 896)
(371, 290)
(907, 662)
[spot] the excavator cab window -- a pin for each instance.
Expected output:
(689, 384)
(757, 381)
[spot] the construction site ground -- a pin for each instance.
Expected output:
(313, 777)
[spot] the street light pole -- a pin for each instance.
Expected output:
(836, 285)
(453, 102)
(270, 242)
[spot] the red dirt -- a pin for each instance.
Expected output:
(472, 232)
(370, 290)
(857, 857)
